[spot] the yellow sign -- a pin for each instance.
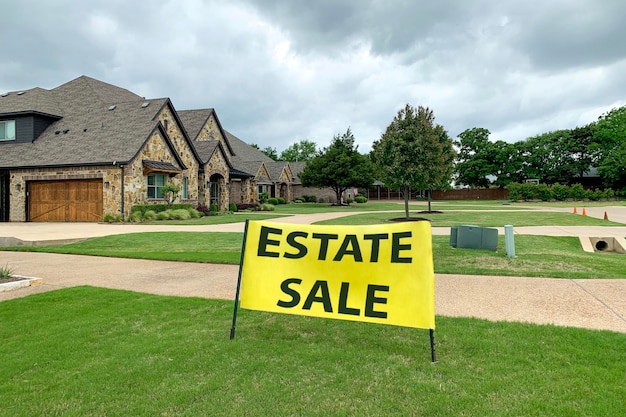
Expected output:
(378, 274)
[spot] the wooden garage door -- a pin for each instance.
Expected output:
(65, 201)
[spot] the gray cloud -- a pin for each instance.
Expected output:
(283, 70)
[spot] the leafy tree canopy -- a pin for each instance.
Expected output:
(414, 153)
(475, 159)
(339, 166)
(301, 151)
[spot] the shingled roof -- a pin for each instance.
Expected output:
(98, 123)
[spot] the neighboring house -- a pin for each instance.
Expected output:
(275, 178)
(322, 194)
(88, 148)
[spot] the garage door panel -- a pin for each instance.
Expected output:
(65, 201)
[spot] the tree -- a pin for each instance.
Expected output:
(508, 163)
(609, 146)
(271, 152)
(339, 166)
(302, 151)
(268, 151)
(170, 192)
(475, 157)
(414, 153)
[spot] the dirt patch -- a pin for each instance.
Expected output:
(11, 279)
(409, 219)
(430, 212)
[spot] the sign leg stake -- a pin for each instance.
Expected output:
(243, 247)
(433, 354)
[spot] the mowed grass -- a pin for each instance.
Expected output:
(537, 256)
(88, 351)
(480, 218)
(391, 205)
(213, 247)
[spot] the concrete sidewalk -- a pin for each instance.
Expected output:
(592, 304)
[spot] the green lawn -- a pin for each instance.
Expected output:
(394, 205)
(481, 218)
(93, 352)
(537, 256)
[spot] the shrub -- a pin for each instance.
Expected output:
(194, 214)
(135, 217)
(298, 200)
(247, 206)
(595, 195)
(309, 198)
(349, 201)
(560, 192)
(180, 214)
(281, 200)
(6, 272)
(360, 199)
(577, 192)
(233, 207)
(321, 200)
(528, 190)
(213, 208)
(544, 193)
(163, 215)
(149, 215)
(515, 191)
(202, 209)
(267, 207)
(142, 208)
(108, 218)
(608, 194)
(263, 198)
(273, 201)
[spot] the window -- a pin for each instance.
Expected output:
(155, 182)
(7, 130)
(185, 187)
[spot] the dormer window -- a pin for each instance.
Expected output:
(7, 130)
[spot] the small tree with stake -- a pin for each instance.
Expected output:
(414, 153)
(170, 192)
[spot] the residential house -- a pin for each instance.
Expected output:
(87, 148)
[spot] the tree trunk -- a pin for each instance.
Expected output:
(430, 197)
(407, 192)
(338, 195)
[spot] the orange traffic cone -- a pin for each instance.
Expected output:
(575, 212)
(605, 216)
(584, 211)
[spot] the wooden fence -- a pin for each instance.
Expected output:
(383, 193)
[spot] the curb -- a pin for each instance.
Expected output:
(21, 283)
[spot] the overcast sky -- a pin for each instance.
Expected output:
(278, 71)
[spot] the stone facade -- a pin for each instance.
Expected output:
(185, 152)
(211, 131)
(109, 174)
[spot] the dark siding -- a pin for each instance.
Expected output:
(28, 128)
(40, 124)
(23, 129)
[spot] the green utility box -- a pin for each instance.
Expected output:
(453, 233)
(474, 237)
